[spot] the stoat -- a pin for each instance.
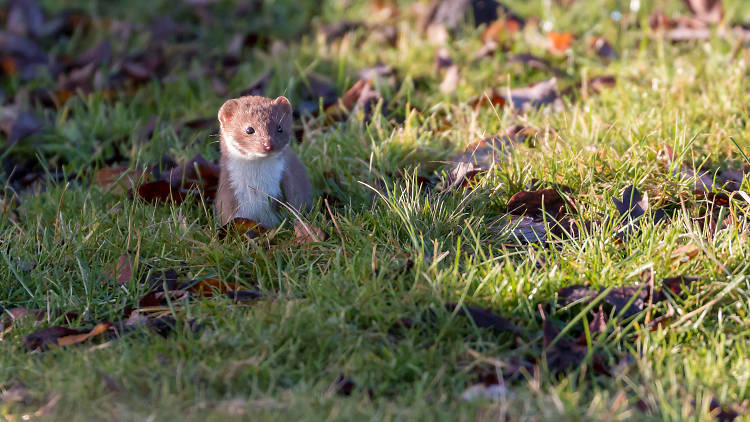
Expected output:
(258, 168)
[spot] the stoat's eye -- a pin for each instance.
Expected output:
(249, 130)
(279, 129)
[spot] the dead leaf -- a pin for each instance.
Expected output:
(523, 99)
(631, 208)
(18, 393)
(257, 87)
(559, 42)
(709, 11)
(244, 295)
(603, 48)
(619, 297)
(484, 318)
(684, 253)
(450, 80)
(243, 226)
(123, 271)
(25, 17)
(575, 293)
(61, 336)
(159, 192)
(500, 30)
(208, 286)
(564, 353)
(534, 203)
(307, 233)
(480, 156)
(196, 173)
(68, 340)
(491, 392)
(120, 178)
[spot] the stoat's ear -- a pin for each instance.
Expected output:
(227, 111)
(284, 103)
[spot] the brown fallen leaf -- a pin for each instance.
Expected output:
(307, 233)
(123, 271)
(450, 80)
(500, 30)
(360, 97)
(159, 192)
(684, 253)
(523, 99)
(563, 354)
(121, 178)
(243, 226)
(534, 203)
(559, 42)
(70, 339)
(208, 286)
(709, 11)
(18, 393)
(197, 173)
(483, 318)
(61, 336)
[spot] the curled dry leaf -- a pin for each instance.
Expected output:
(61, 336)
(632, 207)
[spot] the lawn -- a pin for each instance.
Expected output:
(437, 284)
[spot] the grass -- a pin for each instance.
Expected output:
(330, 306)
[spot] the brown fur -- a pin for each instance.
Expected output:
(264, 115)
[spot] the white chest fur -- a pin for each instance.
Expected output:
(254, 182)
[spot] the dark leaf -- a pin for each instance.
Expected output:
(25, 17)
(18, 393)
(196, 173)
(709, 11)
(453, 12)
(524, 99)
(337, 30)
(244, 295)
(98, 54)
(159, 192)
(484, 318)
(25, 125)
(344, 385)
(146, 131)
(575, 293)
(243, 226)
(722, 413)
(42, 339)
(535, 203)
(603, 48)
(619, 297)
(480, 156)
(258, 86)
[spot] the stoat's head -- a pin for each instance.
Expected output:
(255, 127)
